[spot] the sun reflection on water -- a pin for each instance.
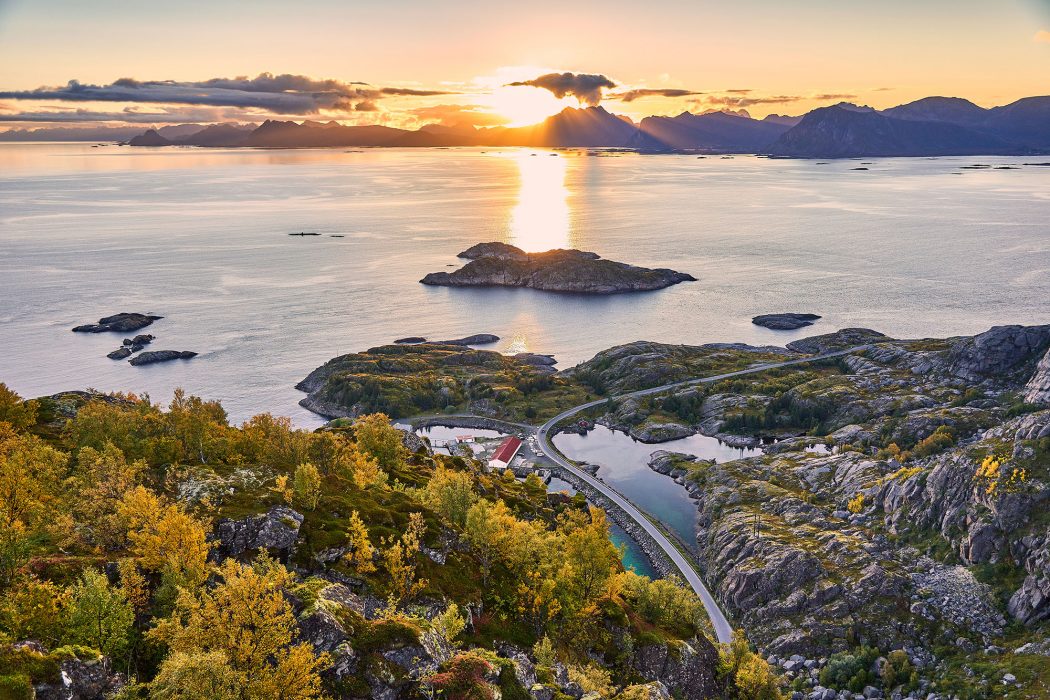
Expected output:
(540, 219)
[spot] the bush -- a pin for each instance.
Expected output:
(850, 671)
(940, 439)
(897, 670)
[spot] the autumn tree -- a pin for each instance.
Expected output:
(450, 494)
(34, 609)
(361, 554)
(200, 427)
(246, 619)
(306, 485)
(100, 480)
(14, 411)
(199, 676)
(273, 441)
(377, 438)
(30, 472)
(590, 556)
(164, 537)
(399, 558)
(100, 615)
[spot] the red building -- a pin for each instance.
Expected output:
(505, 453)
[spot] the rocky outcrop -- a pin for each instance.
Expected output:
(120, 323)
(839, 340)
(154, 356)
(410, 340)
(686, 669)
(501, 265)
(785, 322)
(120, 353)
(1031, 602)
(1037, 390)
(78, 678)
(998, 353)
(275, 531)
(660, 432)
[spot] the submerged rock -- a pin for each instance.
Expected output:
(502, 265)
(120, 353)
(139, 340)
(123, 323)
(784, 322)
(154, 356)
(410, 340)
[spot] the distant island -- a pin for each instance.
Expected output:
(932, 126)
(502, 265)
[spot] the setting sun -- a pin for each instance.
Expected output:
(525, 105)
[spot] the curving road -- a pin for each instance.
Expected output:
(723, 630)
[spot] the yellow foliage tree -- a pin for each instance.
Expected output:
(247, 620)
(450, 494)
(13, 410)
(30, 472)
(100, 479)
(165, 538)
(399, 561)
(306, 485)
(361, 554)
(377, 438)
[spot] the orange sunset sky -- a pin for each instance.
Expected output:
(410, 62)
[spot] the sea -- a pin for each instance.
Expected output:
(917, 247)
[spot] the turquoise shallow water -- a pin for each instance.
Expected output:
(910, 247)
(623, 463)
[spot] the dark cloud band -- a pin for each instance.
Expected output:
(280, 94)
(585, 87)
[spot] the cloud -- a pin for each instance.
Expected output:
(638, 93)
(412, 92)
(130, 116)
(459, 115)
(585, 87)
(743, 99)
(1042, 36)
(279, 94)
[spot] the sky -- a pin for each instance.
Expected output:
(410, 62)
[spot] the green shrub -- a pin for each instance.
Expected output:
(15, 687)
(850, 671)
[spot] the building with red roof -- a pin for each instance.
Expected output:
(504, 453)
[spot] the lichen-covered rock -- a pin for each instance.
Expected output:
(275, 531)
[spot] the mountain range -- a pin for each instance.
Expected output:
(931, 126)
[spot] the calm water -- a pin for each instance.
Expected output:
(624, 464)
(910, 247)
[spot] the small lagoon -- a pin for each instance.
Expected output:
(623, 463)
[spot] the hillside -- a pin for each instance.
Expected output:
(837, 132)
(168, 554)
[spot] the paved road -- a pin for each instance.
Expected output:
(723, 630)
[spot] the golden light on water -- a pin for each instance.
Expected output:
(540, 219)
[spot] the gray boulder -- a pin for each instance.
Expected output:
(275, 531)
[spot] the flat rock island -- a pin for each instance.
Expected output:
(561, 270)
(785, 322)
